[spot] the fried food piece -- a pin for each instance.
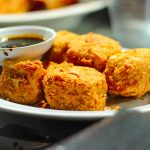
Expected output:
(71, 87)
(128, 73)
(21, 82)
(52, 4)
(139, 52)
(60, 46)
(92, 50)
(13, 6)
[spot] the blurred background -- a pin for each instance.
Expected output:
(125, 20)
(80, 16)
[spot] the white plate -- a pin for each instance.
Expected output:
(138, 104)
(141, 105)
(59, 18)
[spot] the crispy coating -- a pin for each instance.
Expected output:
(13, 6)
(21, 82)
(128, 73)
(60, 46)
(71, 87)
(92, 50)
(139, 52)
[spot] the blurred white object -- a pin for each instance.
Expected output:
(61, 18)
(130, 22)
(27, 52)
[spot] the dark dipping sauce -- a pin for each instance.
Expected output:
(21, 40)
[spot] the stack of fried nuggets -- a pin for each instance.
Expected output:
(91, 50)
(76, 81)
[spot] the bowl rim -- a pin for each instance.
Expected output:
(47, 29)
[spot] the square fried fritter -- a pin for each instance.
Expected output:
(128, 73)
(71, 87)
(92, 50)
(21, 82)
(60, 46)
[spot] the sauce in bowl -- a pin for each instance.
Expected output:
(20, 40)
(25, 42)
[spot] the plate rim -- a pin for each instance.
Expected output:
(63, 114)
(75, 9)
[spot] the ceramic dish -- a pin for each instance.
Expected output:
(34, 51)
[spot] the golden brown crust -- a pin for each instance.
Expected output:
(139, 52)
(92, 50)
(128, 73)
(21, 82)
(75, 88)
(13, 6)
(60, 46)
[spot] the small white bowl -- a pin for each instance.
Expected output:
(34, 51)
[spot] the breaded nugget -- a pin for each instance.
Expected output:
(60, 46)
(128, 73)
(71, 87)
(51, 4)
(21, 82)
(14, 6)
(92, 50)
